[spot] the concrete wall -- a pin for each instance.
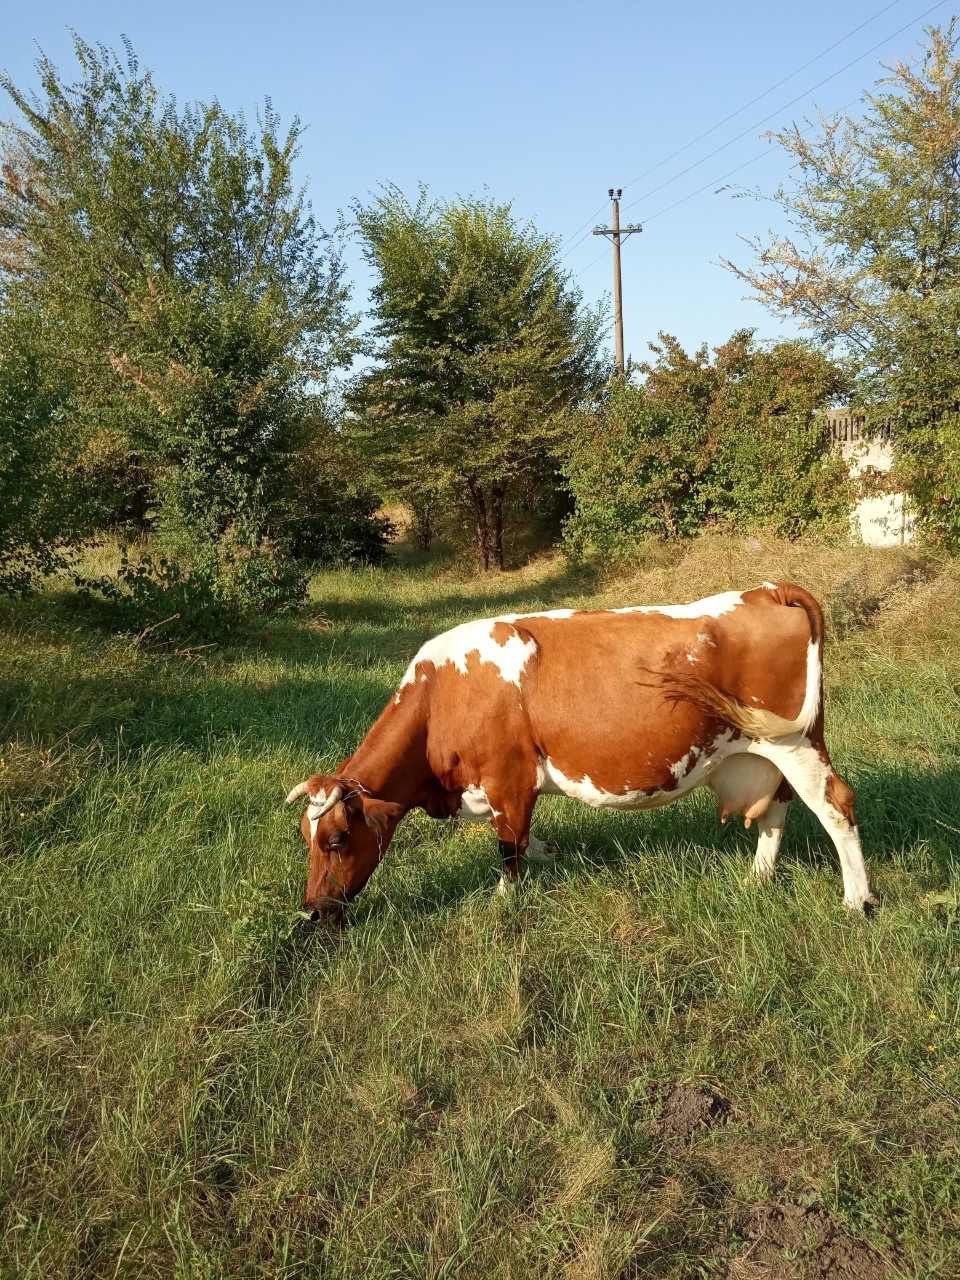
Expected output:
(883, 521)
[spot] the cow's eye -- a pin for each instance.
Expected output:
(337, 842)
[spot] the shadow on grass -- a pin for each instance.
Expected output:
(898, 812)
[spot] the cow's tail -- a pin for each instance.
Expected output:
(756, 722)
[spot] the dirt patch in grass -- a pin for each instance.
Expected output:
(787, 1241)
(681, 1111)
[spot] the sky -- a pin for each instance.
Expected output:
(545, 105)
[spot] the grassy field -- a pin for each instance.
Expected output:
(638, 1066)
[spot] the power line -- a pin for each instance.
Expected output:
(793, 101)
(760, 96)
(879, 13)
(585, 226)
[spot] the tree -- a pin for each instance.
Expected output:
(482, 347)
(40, 510)
(180, 288)
(872, 268)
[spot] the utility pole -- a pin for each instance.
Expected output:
(616, 232)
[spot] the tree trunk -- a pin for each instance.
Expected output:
(497, 504)
(422, 526)
(482, 524)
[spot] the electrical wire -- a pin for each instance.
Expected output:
(793, 101)
(585, 227)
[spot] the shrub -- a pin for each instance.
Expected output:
(635, 469)
(736, 441)
(163, 600)
(40, 507)
(340, 528)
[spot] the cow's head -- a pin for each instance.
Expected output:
(347, 831)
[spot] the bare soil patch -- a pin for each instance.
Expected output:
(681, 1111)
(787, 1241)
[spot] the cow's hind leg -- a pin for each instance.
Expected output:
(808, 770)
(770, 826)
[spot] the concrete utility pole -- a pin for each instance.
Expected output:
(615, 232)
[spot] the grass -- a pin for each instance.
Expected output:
(453, 1086)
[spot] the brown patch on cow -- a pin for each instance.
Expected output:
(841, 797)
(502, 631)
(681, 1111)
(786, 1241)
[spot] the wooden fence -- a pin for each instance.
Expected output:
(847, 427)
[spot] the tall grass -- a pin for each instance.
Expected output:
(456, 1086)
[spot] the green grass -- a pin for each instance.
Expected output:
(454, 1086)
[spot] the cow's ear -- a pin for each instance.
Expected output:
(379, 814)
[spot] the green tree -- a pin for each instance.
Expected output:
(185, 296)
(482, 347)
(40, 507)
(873, 267)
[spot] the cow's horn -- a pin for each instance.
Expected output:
(322, 803)
(301, 789)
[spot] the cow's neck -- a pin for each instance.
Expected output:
(391, 762)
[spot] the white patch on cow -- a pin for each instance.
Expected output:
(475, 806)
(708, 607)
(691, 770)
(685, 763)
(770, 586)
(457, 645)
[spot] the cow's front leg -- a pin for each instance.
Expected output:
(511, 821)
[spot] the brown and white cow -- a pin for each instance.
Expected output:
(620, 708)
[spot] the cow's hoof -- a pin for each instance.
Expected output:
(863, 906)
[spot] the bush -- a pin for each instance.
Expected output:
(635, 469)
(736, 441)
(40, 508)
(163, 600)
(340, 529)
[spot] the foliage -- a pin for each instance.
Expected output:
(163, 599)
(635, 469)
(872, 270)
(734, 440)
(191, 309)
(333, 518)
(40, 508)
(482, 346)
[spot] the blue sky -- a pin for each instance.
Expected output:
(546, 105)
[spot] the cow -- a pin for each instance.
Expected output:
(627, 708)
